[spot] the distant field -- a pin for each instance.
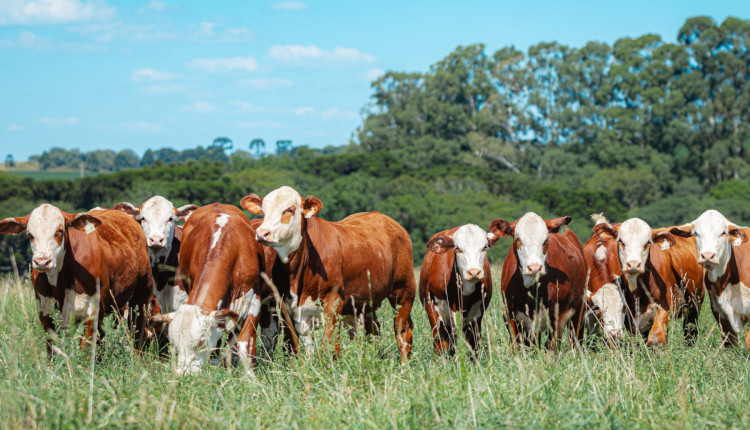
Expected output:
(31, 170)
(633, 387)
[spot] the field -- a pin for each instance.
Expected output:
(596, 387)
(30, 169)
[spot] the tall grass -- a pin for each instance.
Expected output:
(674, 386)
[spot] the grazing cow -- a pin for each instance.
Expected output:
(72, 253)
(543, 278)
(723, 250)
(157, 217)
(604, 296)
(350, 266)
(455, 277)
(220, 262)
(660, 278)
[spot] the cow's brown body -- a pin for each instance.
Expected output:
(113, 255)
(602, 267)
(558, 295)
(221, 270)
(440, 289)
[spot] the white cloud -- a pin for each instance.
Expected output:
(206, 29)
(333, 113)
(142, 126)
(372, 74)
(59, 122)
(16, 127)
(213, 65)
(153, 5)
(290, 5)
(267, 83)
(141, 75)
(301, 54)
(244, 106)
(201, 107)
(25, 12)
(106, 32)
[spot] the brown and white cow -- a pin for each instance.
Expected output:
(723, 250)
(221, 262)
(455, 277)
(74, 252)
(605, 300)
(660, 277)
(543, 278)
(349, 266)
(158, 218)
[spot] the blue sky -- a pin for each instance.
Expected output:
(155, 73)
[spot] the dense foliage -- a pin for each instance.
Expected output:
(644, 128)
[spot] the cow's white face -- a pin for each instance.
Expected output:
(610, 302)
(634, 242)
(470, 243)
(157, 220)
(713, 241)
(283, 210)
(193, 335)
(46, 227)
(530, 240)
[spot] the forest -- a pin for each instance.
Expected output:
(644, 128)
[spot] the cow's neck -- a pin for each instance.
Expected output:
(723, 274)
(53, 276)
(299, 257)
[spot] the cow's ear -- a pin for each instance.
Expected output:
(605, 228)
(225, 319)
(440, 244)
(663, 238)
(161, 321)
(683, 230)
(129, 209)
(183, 212)
(14, 225)
(553, 226)
(736, 235)
(492, 239)
(82, 221)
(502, 228)
(311, 206)
(253, 204)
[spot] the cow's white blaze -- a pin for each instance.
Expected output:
(221, 221)
(170, 298)
(45, 226)
(610, 302)
(712, 240)
(470, 243)
(157, 221)
(193, 335)
(634, 240)
(601, 253)
(531, 231)
(284, 237)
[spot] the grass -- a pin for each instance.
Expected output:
(674, 386)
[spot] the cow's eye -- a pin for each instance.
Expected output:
(724, 234)
(487, 246)
(517, 243)
(171, 218)
(457, 249)
(645, 247)
(60, 231)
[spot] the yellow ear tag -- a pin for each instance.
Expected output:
(737, 241)
(89, 227)
(664, 245)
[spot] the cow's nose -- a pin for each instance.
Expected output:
(263, 235)
(156, 241)
(614, 335)
(633, 266)
(708, 257)
(474, 273)
(533, 269)
(42, 262)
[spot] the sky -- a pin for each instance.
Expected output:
(107, 74)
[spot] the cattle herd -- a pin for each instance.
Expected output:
(221, 272)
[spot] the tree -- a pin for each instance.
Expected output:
(224, 143)
(9, 161)
(259, 146)
(283, 146)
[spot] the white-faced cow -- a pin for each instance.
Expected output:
(74, 252)
(455, 277)
(349, 266)
(543, 278)
(659, 277)
(158, 218)
(723, 250)
(221, 263)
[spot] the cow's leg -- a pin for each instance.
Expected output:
(471, 323)
(747, 340)
(658, 333)
(331, 318)
(402, 300)
(269, 328)
(372, 325)
(440, 333)
(247, 342)
(690, 323)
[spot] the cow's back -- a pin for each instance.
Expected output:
(566, 265)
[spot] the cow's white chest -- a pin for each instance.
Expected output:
(445, 314)
(78, 307)
(734, 304)
(170, 298)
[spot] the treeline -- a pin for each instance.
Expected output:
(644, 128)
